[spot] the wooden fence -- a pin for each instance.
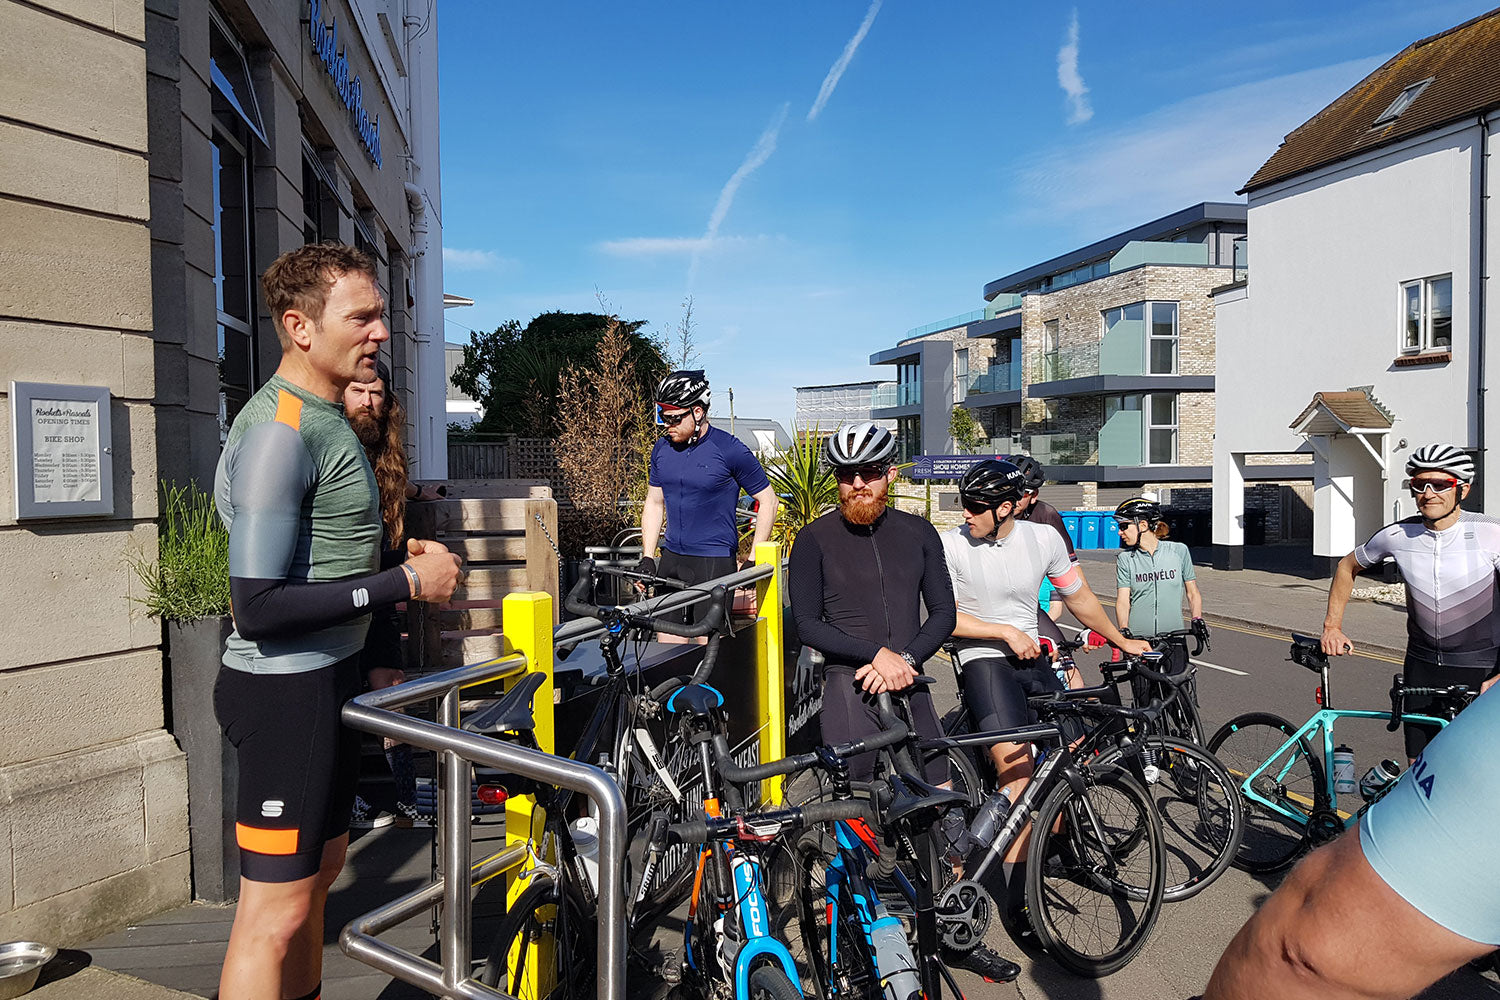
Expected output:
(504, 530)
(509, 458)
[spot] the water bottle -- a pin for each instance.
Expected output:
(893, 959)
(991, 815)
(1343, 770)
(585, 833)
(1378, 778)
(727, 934)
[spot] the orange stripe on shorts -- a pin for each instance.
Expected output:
(288, 409)
(260, 841)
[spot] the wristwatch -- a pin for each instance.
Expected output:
(911, 661)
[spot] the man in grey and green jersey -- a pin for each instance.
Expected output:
(299, 499)
(1153, 575)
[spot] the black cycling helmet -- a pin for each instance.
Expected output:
(685, 389)
(1441, 458)
(864, 443)
(992, 483)
(1142, 508)
(1032, 476)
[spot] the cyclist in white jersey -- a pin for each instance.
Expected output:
(1449, 559)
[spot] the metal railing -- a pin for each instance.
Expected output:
(901, 394)
(375, 712)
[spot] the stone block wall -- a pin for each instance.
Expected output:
(93, 797)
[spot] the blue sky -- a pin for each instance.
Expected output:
(821, 177)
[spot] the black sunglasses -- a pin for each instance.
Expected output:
(975, 507)
(869, 473)
(672, 419)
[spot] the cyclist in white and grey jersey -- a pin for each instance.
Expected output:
(1450, 559)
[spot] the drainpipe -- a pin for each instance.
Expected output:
(425, 200)
(1483, 282)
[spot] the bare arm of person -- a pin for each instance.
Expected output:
(1090, 613)
(1335, 642)
(1195, 599)
(653, 513)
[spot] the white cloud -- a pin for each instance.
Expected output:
(1069, 79)
(474, 260)
(836, 71)
(667, 246)
(1201, 148)
(759, 154)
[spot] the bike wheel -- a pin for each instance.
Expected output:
(1202, 818)
(770, 982)
(1294, 781)
(673, 876)
(1095, 873)
(852, 975)
(550, 933)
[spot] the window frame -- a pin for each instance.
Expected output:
(1425, 342)
(960, 374)
(1175, 339)
(1149, 425)
(1051, 349)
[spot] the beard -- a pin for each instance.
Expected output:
(862, 508)
(367, 427)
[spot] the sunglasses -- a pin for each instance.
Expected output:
(670, 419)
(975, 507)
(1122, 525)
(868, 473)
(1420, 486)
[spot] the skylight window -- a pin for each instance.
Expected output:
(1402, 102)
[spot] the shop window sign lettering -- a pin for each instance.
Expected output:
(350, 88)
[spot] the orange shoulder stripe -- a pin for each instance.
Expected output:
(288, 409)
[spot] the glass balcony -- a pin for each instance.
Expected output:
(1005, 444)
(1065, 449)
(963, 319)
(896, 395)
(1072, 361)
(1001, 376)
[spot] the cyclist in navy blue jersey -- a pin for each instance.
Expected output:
(694, 481)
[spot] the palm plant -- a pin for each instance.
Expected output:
(805, 486)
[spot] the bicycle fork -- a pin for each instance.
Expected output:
(895, 966)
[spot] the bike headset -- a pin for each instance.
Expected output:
(992, 483)
(685, 390)
(1142, 508)
(1447, 459)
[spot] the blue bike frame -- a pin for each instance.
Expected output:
(871, 914)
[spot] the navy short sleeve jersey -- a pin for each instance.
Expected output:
(701, 483)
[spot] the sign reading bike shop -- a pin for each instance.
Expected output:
(60, 450)
(350, 88)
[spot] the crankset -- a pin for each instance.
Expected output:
(963, 913)
(1323, 825)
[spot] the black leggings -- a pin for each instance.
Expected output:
(849, 714)
(996, 689)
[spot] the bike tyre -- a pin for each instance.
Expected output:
(1074, 838)
(1191, 776)
(770, 982)
(813, 854)
(532, 916)
(1270, 842)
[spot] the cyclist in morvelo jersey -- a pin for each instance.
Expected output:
(997, 564)
(1449, 559)
(299, 500)
(1388, 911)
(858, 579)
(695, 476)
(1153, 576)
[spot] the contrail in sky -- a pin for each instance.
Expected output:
(832, 79)
(1070, 80)
(759, 154)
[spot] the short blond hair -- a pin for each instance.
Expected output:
(300, 279)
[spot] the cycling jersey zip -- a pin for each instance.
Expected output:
(880, 572)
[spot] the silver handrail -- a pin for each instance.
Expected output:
(580, 629)
(374, 712)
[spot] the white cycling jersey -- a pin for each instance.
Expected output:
(998, 580)
(1452, 613)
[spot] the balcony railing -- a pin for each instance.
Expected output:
(963, 319)
(1002, 376)
(1065, 448)
(1070, 361)
(896, 395)
(1005, 444)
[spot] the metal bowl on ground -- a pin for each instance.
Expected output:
(20, 964)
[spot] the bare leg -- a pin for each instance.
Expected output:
(1013, 772)
(269, 916)
(1336, 931)
(302, 968)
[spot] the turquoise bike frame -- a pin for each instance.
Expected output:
(1324, 719)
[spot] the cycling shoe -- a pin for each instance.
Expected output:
(984, 962)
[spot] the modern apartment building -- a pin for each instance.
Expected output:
(823, 408)
(1368, 327)
(157, 157)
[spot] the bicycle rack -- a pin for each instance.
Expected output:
(375, 712)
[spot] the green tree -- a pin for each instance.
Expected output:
(515, 372)
(967, 432)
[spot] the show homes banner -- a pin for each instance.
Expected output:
(944, 466)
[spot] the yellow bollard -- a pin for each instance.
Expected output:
(771, 667)
(526, 621)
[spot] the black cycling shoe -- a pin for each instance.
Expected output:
(983, 962)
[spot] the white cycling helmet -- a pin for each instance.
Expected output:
(863, 443)
(1441, 458)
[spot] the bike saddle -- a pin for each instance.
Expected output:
(1308, 652)
(511, 713)
(698, 700)
(912, 796)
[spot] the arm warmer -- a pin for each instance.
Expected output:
(272, 475)
(805, 577)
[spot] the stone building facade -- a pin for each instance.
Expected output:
(155, 157)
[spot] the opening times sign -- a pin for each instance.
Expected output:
(61, 449)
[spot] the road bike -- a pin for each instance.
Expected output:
(1286, 773)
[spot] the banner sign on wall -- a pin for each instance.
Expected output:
(60, 448)
(944, 466)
